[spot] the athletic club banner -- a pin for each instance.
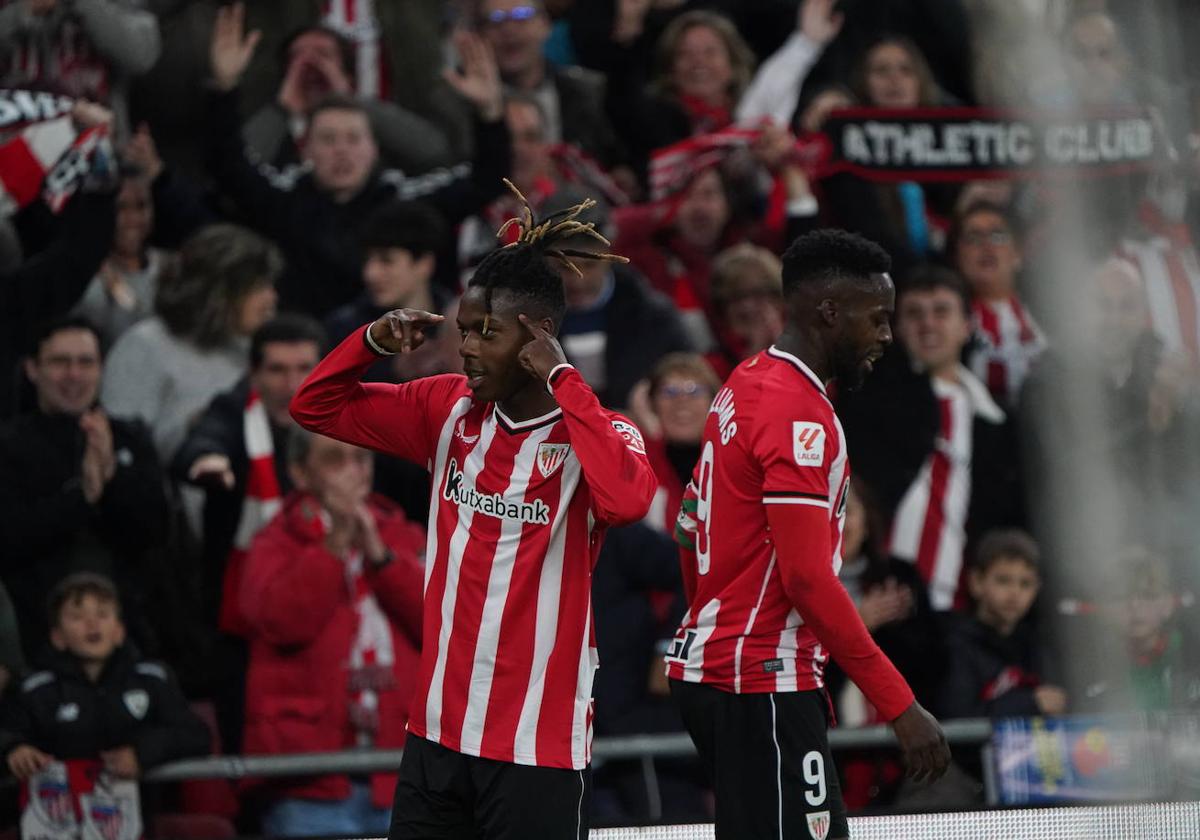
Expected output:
(42, 153)
(939, 144)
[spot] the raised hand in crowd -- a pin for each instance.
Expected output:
(630, 20)
(231, 47)
(87, 114)
(883, 604)
(774, 147)
(819, 22)
(99, 461)
(25, 761)
(1051, 700)
(141, 151)
(1173, 379)
(478, 79)
(344, 496)
(308, 75)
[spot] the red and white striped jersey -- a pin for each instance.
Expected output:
(1170, 271)
(930, 524)
(772, 438)
(356, 21)
(1009, 343)
(515, 525)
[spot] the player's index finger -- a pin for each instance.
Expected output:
(534, 328)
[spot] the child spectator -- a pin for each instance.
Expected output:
(1163, 666)
(127, 712)
(994, 665)
(332, 596)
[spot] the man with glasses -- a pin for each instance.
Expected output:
(571, 98)
(1007, 340)
(79, 490)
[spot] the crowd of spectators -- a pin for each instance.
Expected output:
(1026, 457)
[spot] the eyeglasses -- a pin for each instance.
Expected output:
(516, 13)
(689, 389)
(991, 237)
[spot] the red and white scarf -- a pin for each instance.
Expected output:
(372, 655)
(262, 502)
(42, 153)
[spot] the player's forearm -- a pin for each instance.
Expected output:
(828, 610)
(333, 402)
(613, 459)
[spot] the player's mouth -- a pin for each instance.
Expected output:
(475, 378)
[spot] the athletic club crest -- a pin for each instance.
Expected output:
(137, 701)
(550, 457)
(818, 824)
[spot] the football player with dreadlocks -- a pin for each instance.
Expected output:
(529, 470)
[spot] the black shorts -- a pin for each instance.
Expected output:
(445, 795)
(768, 758)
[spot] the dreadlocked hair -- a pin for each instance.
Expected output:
(522, 268)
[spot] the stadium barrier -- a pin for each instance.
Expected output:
(645, 748)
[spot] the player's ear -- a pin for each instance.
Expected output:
(829, 311)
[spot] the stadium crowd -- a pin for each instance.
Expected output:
(257, 181)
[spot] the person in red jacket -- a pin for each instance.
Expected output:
(332, 596)
(528, 472)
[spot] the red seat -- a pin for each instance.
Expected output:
(216, 797)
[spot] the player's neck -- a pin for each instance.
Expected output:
(531, 401)
(808, 350)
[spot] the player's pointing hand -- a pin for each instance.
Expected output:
(543, 353)
(926, 754)
(403, 330)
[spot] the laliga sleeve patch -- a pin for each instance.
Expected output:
(808, 443)
(633, 438)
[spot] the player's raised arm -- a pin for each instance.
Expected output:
(388, 418)
(609, 447)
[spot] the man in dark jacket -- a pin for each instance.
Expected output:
(96, 698)
(315, 212)
(572, 98)
(617, 327)
(215, 456)
(935, 451)
(78, 490)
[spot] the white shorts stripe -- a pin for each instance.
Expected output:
(778, 767)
